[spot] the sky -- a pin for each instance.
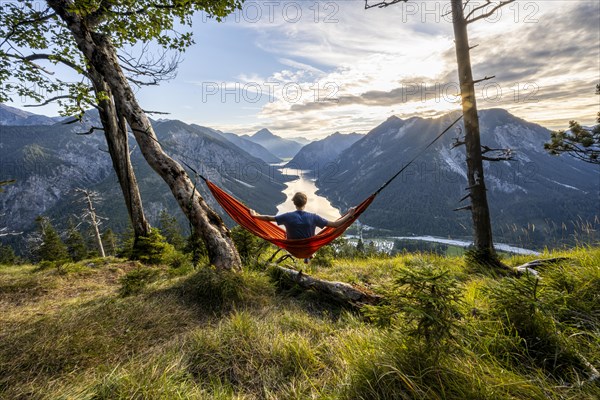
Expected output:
(311, 68)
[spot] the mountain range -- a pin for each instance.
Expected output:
(15, 116)
(282, 148)
(50, 161)
(533, 199)
(251, 147)
(317, 155)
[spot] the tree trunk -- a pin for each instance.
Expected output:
(94, 220)
(338, 291)
(115, 131)
(100, 53)
(479, 206)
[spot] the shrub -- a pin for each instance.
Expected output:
(424, 301)
(324, 257)
(7, 255)
(248, 245)
(152, 249)
(136, 280)
(52, 247)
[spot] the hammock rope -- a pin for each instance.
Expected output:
(300, 248)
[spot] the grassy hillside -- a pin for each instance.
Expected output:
(115, 329)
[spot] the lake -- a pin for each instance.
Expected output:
(316, 204)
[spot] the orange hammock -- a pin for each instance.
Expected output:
(300, 248)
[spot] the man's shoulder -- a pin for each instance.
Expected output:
(286, 215)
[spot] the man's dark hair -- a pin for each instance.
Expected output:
(299, 199)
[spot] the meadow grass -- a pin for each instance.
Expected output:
(112, 330)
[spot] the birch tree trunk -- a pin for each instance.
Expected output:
(115, 131)
(479, 205)
(101, 54)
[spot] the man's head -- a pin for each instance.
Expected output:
(299, 200)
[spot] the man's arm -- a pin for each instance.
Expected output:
(342, 221)
(262, 217)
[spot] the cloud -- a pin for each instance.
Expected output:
(353, 72)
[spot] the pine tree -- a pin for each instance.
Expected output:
(171, 230)
(7, 255)
(75, 242)
(111, 243)
(195, 246)
(246, 243)
(52, 247)
(579, 142)
(360, 247)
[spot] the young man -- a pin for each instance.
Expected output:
(300, 224)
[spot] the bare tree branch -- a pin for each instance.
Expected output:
(464, 208)
(147, 65)
(487, 78)
(501, 154)
(29, 60)
(64, 96)
(52, 57)
(92, 129)
(501, 4)
(382, 4)
(157, 112)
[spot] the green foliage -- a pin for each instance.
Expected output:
(35, 26)
(75, 243)
(223, 290)
(171, 230)
(520, 305)
(360, 247)
(324, 257)
(424, 301)
(110, 242)
(7, 255)
(248, 355)
(152, 249)
(135, 281)
(484, 261)
(248, 245)
(197, 248)
(52, 247)
(226, 335)
(579, 142)
(343, 249)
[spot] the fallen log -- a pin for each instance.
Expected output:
(338, 291)
(528, 267)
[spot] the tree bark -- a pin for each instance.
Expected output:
(94, 220)
(115, 131)
(338, 291)
(480, 213)
(101, 54)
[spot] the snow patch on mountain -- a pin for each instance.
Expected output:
(454, 161)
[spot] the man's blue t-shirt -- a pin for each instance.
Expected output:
(300, 224)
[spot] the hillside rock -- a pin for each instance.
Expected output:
(14, 116)
(49, 162)
(282, 148)
(530, 197)
(252, 148)
(317, 155)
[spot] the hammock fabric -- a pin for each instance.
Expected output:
(300, 248)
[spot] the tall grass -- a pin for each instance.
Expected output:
(73, 334)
